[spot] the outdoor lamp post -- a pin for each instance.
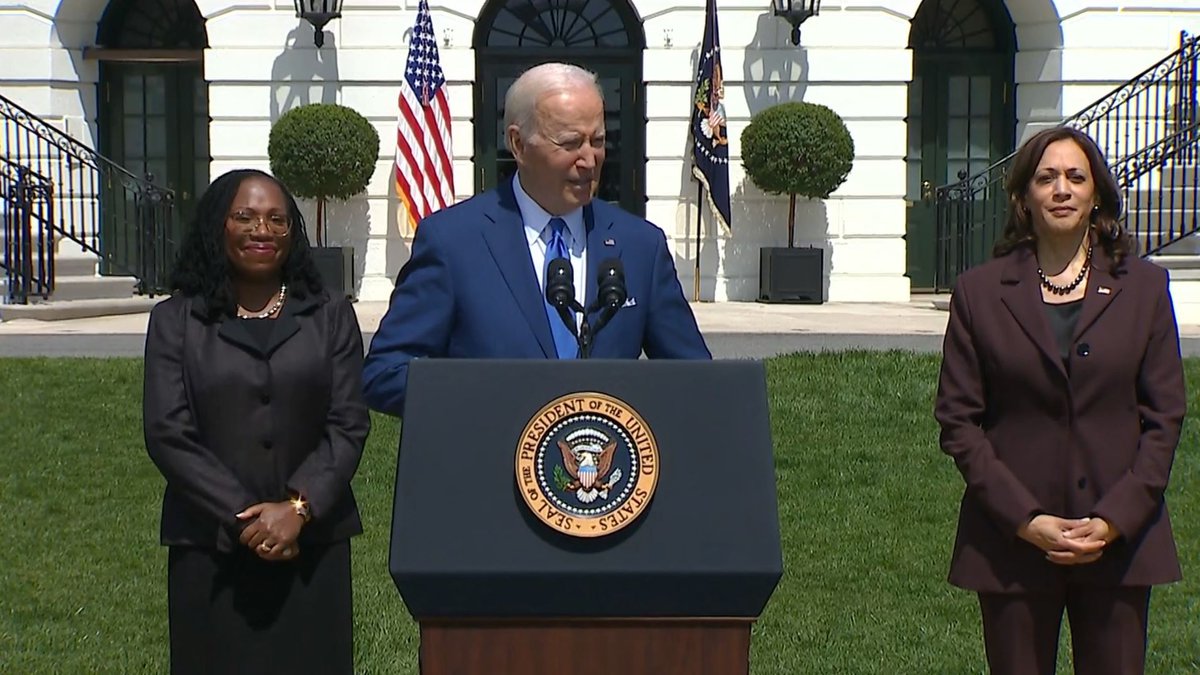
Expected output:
(318, 13)
(796, 12)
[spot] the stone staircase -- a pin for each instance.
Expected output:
(1185, 284)
(80, 290)
(1174, 206)
(69, 191)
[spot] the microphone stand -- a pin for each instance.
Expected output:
(583, 335)
(607, 312)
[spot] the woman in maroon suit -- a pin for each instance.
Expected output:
(1060, 399)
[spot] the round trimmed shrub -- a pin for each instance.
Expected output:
(323, 151)
(797, 149)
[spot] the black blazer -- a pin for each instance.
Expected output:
(230, 424)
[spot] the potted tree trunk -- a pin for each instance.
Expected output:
(325, 151)
(795, 149)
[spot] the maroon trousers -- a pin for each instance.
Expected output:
(1108, 630)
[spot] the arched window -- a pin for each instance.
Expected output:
(152, 24)
(560, 24)
(958, 24)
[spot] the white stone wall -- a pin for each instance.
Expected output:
(42, 70)
(853, 58)
(853, 62)
(41, 62)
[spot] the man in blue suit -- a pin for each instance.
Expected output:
(474, 286)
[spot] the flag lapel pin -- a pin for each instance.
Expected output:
(1104, 290)
(610, 242)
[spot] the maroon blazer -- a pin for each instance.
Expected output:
(1030, 438)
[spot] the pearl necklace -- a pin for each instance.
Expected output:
(268, 311)
(1063, 290)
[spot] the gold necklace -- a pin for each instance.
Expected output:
(268, 311)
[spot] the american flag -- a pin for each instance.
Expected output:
(424, 171)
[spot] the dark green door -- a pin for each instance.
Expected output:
(957, 127)
(155, 123)
(604, 36)
(621, 179)
(961, 119)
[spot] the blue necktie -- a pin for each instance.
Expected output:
(564, 341)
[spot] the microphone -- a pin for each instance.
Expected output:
(611, 292)
(560, 293)
(560, 285)
(610, 285)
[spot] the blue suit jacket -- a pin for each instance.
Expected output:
(470, 291)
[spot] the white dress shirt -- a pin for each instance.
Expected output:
(537, 232)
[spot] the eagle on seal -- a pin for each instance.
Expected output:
(588, 456)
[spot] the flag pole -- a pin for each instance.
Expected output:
(699, 221)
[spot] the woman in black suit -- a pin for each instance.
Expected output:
(254, 416)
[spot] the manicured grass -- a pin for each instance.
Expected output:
(867, 506)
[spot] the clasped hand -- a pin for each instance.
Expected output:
(1069, 541)
(272, 530)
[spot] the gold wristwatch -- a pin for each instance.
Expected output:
(301, 507)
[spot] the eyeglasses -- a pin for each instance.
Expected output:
(277, 224)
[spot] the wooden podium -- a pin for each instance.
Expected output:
(586, 646)
(497, 590)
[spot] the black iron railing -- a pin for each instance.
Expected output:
(1162, 187)
(123, 219)
(27, 255)
(970, 218)
(1144, 127)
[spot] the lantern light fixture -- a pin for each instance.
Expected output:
(318, 13)
(796, 12)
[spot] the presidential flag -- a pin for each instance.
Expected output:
(424, 154)
(710, 140)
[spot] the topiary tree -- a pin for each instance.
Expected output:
(797, 149)
(323, 151)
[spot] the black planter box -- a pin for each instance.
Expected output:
(792, 275)
(336, 266)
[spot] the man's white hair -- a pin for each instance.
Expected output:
(520, 102)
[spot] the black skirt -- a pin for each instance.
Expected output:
(236, 613)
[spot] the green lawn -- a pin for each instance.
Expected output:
(866, 499)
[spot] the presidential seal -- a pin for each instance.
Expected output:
(587, 464)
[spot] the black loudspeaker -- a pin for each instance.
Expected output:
(336, 265)
(793, 275)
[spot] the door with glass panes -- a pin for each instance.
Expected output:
(961, 117)
(958, 126)
(156, 125)
(153, 114)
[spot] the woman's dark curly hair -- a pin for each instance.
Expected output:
(202, 267)
(1106, 227)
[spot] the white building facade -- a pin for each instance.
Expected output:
(188, 89)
